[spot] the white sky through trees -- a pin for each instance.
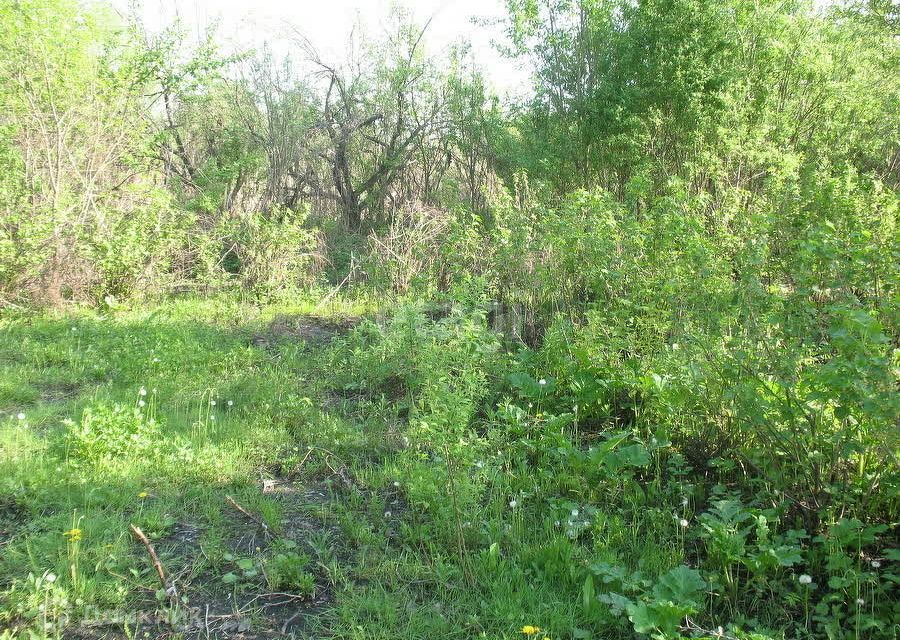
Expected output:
(328, 23)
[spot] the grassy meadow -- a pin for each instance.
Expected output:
(359, 516)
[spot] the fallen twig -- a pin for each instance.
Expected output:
(289, 621)
(167, 585)
(258, 520)
(342, 472)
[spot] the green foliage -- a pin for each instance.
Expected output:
(286, 571)
(274, 253)
(80, 213)
(629, 361)
(105, 434)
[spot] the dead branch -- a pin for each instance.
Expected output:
(167, 585)
(255, 518)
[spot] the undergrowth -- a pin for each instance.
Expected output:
(470, 488)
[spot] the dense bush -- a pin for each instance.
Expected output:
(638, 367)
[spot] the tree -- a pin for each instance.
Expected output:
(377, 109)
(78, 147)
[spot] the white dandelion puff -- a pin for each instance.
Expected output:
(684, 523)
(20, 416)
(805, 579)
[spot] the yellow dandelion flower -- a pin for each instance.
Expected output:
(74, 535)
(143, 494)
(530, 630)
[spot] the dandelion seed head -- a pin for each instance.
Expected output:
(141, 403)
(684, 523)
(542, 382)
(231, 403)
(20, 416)
(805, 579)
(860, 602)
(50, 577)
(512, 504)
(876, 564)
(143, 391)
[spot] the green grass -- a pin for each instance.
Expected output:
(107, 420)
(146, 416)
(414, 495)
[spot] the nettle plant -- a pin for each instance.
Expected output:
(655, 606)
(746, 562)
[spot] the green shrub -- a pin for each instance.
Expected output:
(107, 434)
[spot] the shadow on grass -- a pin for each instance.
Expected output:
(150, 419)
